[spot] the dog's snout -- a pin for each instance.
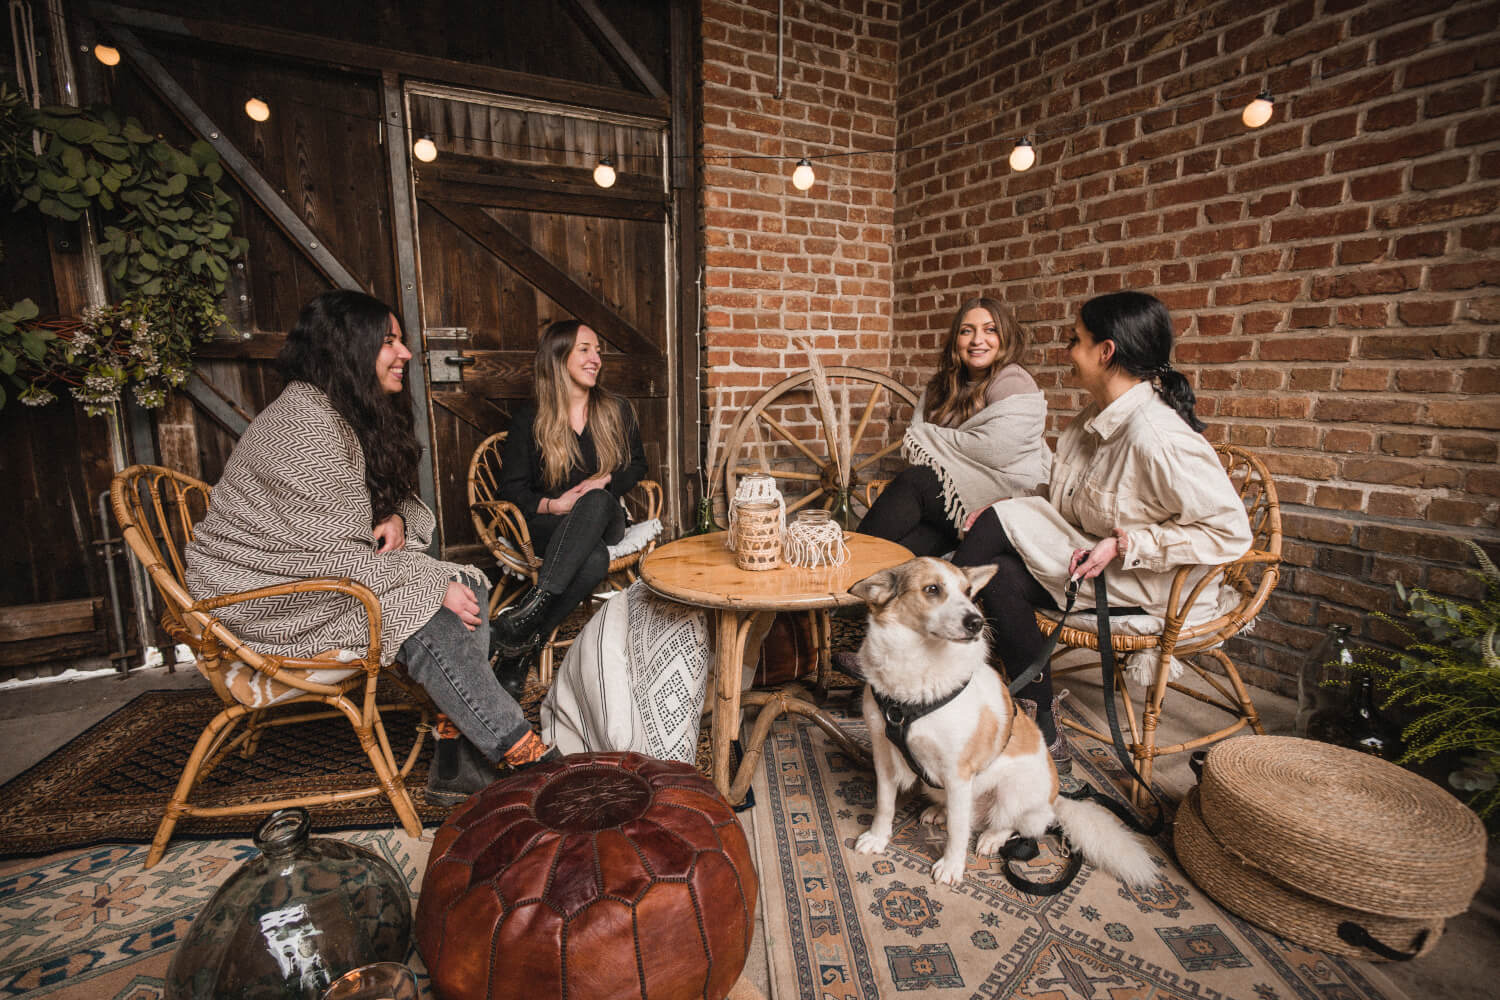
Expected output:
(973, 622)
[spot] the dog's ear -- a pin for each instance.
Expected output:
(876, 589)
(979, 576)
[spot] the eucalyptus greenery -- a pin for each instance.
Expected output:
(1450, 674)
(165, 243)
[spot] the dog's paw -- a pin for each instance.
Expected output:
(948, 871)
(871, 842)
(934, 815)
(990, 842)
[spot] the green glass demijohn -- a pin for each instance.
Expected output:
(286, 924)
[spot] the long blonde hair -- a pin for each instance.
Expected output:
(952, 397)
(554, 433)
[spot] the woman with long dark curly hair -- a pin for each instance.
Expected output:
(324, 483)
(976, 435)
(1134, 483)
(568, 460)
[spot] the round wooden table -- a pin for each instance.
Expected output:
(699, 570)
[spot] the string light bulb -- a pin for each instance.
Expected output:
(803, 176)
(604, 173)
(1258, 111)
(107, 54)
(425, 149)
(257, 109)
(1023, 156)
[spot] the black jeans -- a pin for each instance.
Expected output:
(910, 512)
(575, 558)
(1010, 600)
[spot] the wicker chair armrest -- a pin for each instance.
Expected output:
(502, 529)
(226, 638)
(650, 505)
(873, 489)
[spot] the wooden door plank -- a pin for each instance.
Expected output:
(615, 48)
(374, 58)
(552, 280)
(510, 374)
(19, 622)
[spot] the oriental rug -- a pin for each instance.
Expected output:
(847, 926)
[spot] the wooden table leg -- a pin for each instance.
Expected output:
(732, 627)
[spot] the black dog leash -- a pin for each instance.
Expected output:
(900, 715)
(1024, 848)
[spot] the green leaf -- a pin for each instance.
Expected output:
(90, 187)
(73, 162)
(213, 171)
(55, 182)
(175, 185)
(152, 287)
(197, 261)
(133, 132)
(23, 310)
(80, 130)
(148, 262)
(218, 231)
(177, 251)
(7, 362)
(112, 150)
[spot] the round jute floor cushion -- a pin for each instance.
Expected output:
(602, 875)
(1248, 892)
(1343, 826)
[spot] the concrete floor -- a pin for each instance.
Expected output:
(38, 719)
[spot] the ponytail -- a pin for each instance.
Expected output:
(1173, 387)
(1141, 330)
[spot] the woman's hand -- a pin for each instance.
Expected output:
(1086, 563)
(461, 601)
(390, 534)
(564, 503)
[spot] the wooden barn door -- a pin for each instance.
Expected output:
(513, 234)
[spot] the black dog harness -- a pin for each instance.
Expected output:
(900, 715)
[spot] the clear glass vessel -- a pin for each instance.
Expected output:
(288, 923)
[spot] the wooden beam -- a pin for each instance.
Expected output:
(495, 194)
(375, 59)
(19, 622)
(556, 283)
(217, 405)
(615, 48)
(308, 242)
(511, 374)
(259, 345)
(629, 186)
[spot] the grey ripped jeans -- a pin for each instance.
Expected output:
(452, 665)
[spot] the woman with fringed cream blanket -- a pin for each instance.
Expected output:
(975, 438)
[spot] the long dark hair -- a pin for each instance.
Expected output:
(952, 396)
(334, 346)
(1141, 329)
(554, 433)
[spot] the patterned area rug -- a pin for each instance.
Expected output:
(857, 927)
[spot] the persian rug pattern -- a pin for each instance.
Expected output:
(848, 926)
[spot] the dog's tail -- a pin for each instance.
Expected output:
(1105, 841)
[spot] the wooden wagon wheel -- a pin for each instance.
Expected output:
(784, 435)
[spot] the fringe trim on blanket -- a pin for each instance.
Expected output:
(953, 505)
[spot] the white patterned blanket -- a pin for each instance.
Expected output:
(632, 680)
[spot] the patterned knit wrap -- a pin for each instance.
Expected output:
(292, 503)
(996, 454)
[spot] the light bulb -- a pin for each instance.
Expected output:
(425, 149)
(257, 109)
(604, 173)
(803, 177)
(106, 54)
(1023, 156)
(1258, 111)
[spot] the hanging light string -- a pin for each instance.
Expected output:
(1023, 155)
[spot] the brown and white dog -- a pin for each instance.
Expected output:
(985, 764)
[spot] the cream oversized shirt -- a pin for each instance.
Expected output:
(1138, 466)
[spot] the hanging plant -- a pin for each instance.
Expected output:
(165, 245)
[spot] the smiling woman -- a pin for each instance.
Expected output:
(323, 483)
(976, 435)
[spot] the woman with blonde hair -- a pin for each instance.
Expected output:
(569, 458)
(975, 437)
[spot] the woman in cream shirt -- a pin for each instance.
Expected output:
(1135, 486)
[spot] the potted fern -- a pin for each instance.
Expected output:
(1448, 676)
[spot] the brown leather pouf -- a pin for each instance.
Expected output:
(603, 875)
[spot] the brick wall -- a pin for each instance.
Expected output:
(1334, 275)
(782, 263)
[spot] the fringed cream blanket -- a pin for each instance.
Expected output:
(632, 680)
(996, 454)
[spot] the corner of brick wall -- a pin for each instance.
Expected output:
(1334, 275)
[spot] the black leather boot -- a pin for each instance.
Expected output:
(458, 770)
(515, 627)
(511, 671)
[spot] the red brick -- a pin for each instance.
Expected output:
(1321, 195)
(1320, 255)
(1405, 445)
(1361, 442)
(1240, 293)
(1427, 244)
(1464, 97)
(1463, 512)
(1383, 281)
(1445, 173)
(1378, 186)
(1333, 129)
(1325, 348)
(1339, 498)
(1362, 251)
(1364, 379)
(1314, 528)
(1407, 146)
(1431, 312)
(1365, 315)
(1485, 482)
(1413, 345)
(1428, 545)
(1481, 201)
(1464, 274)
(1480, 237)
(1481, 380)
(1475, 413)
(1482, 310)
(1426, 380)
(1280, 172)
(1403, 505)
(1295, 436)
(1478, 129)
(1309, 317)
(1321, 224)
(1381, 411)
(1468, 448)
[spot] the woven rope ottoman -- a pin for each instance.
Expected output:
(602, 875)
